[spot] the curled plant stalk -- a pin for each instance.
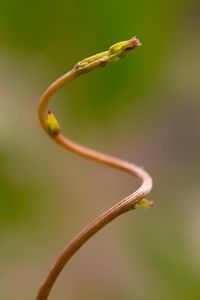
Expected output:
(52, 128)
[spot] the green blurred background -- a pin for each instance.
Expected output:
(144, 108)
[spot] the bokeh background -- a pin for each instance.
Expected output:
(144, 108)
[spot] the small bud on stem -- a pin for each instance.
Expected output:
(53, 126)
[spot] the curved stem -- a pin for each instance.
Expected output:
(51, 126)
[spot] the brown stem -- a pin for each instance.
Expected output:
(121, 207)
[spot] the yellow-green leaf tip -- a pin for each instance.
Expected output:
(53, 126)
(121, 49)
(144, 203)
(114, 53)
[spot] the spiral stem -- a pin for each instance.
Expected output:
(52, 128)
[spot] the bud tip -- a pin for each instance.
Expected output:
(135, 42)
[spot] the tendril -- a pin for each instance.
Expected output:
(51, 126)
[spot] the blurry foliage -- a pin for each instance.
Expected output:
(17, 198)
(167, 257)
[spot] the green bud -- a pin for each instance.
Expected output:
(144, 203)
(53, 126)
(121, 49)
(114, 53)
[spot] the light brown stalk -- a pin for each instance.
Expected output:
(125, 204)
